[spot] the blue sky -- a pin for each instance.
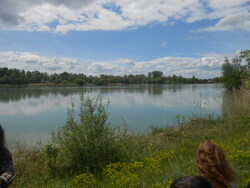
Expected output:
(182, 37)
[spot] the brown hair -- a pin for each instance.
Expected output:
(212, 164)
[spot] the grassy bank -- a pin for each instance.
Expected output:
(155, 160)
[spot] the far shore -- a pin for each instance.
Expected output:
(77, 85)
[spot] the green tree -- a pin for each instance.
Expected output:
(65, 82)
(156, 77)
(90, 144)
(233, 73)
(157, 74)
(245, 55)
(3, 71)
(80, 81)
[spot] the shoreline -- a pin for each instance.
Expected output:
(110, 84)
(158, 159)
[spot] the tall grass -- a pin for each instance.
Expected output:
(236, 103)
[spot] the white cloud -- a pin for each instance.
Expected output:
(163, 44)
(221, 4)
(239, 21)
(31, 61)
(62, 16)
(206, 66)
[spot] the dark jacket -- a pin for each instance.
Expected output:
(6, 166)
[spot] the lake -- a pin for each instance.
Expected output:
(31, 114)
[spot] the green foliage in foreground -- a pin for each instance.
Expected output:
(155, 160)
(85, 146)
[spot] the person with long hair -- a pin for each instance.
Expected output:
(7, 171)
(212, 164)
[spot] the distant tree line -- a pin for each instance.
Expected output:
(21, 77)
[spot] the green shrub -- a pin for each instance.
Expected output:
(51, 154)
(156, 130)
(90, 144)
(65, 82)
(80, 81)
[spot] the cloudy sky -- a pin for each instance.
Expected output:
(182, 37)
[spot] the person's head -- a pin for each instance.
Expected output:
(212, 164)
(2, 138)
(191, 182)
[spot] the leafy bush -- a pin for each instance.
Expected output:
(86, 180)
(80, 81)
(65, 82)
(90, 144)
(51, 158)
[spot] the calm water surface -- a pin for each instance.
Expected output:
(31, 114)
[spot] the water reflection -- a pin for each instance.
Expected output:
(16, 94)
(29, 114)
